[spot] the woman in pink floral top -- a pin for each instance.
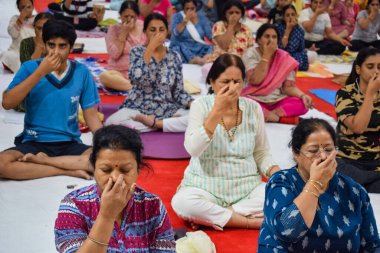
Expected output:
(230, 35)
(120, 39)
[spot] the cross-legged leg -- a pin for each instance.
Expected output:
(12, 168)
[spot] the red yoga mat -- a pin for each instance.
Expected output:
(164, 180)
(309, 83)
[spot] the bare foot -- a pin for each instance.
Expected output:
(148, 120)
(194, 226)
(38, 158)
(78, 173)
(272, 117)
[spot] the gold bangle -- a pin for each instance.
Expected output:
(264, 60)
(311, 192)
(313, 184)
(97, 242)
(315, 181)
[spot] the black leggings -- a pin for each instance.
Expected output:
(359, 44)
(362, 172)
(326, 46)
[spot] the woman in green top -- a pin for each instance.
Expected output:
(33, 47)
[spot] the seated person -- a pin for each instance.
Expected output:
(276, 15)
(352, 10)
(271, 74)
(33, 48)
(313, 208)
(291, 38)
(157, 99)
(358, 111)
(223, 187)
(317, 24)
(19, 28)
(53, 88)
(76, 12)
(340, 23)
(230, 35)
(189, 28)
(211, 11)
(120, 39)
(164, 7)
(367, 27)
(114, 214)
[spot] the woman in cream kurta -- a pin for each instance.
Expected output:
(222, 185)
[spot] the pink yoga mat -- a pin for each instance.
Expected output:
(162, 145)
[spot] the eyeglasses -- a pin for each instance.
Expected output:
(317, 152)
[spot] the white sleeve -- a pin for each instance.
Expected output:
(13, 29)
(327, 20)
(250, 59)
(261, 152)
(304, 16)
(196, 138)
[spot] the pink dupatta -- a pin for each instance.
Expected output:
(279, 70)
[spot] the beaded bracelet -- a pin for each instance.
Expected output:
(97, 242)
(311, 192)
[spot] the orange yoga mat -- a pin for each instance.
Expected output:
(42, 5)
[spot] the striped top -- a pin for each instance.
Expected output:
(145, 226)
(79, 8)
(228, 170)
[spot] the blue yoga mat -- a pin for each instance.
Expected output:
(326, 95)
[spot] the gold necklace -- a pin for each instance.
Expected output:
(233, 130)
